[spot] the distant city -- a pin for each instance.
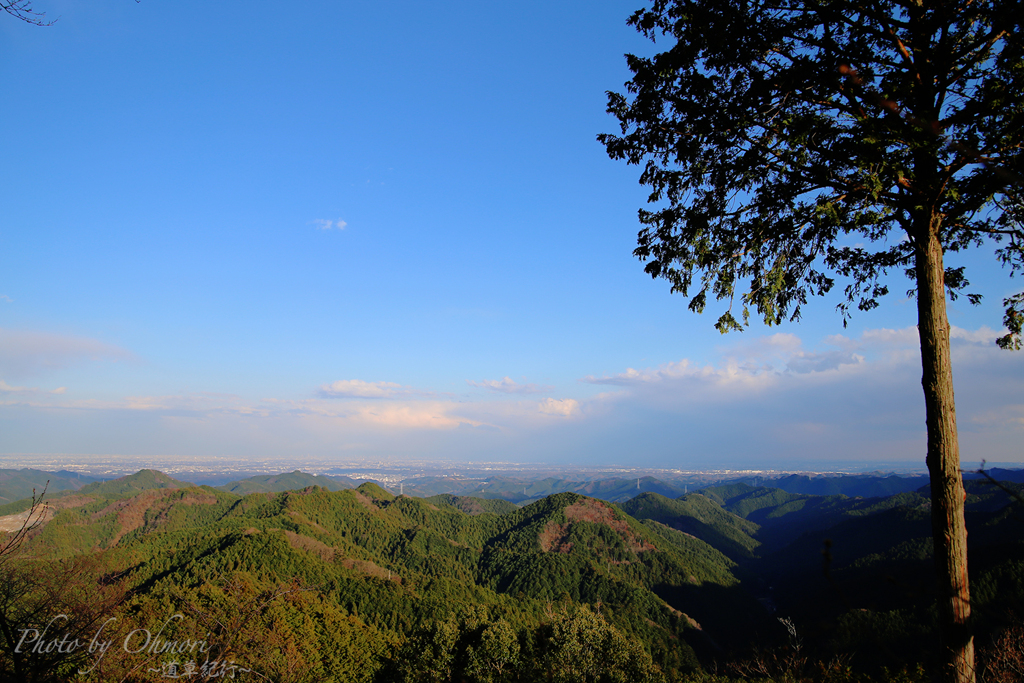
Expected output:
(216, 470)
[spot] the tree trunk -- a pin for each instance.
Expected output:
(947, 489)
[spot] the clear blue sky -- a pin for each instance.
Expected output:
(386, 229)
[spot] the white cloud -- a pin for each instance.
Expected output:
(357, 388)
(852, 398)
(802, 362)
(859, 399)
(509, 386)
(325, 224)
(906, 338)
(411, 415)
(985, 335)
(1001, 415)
(559, 407)
(26, 353)
(4, 297)
(730, 372)
(8, 389)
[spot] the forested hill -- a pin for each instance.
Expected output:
(19, 484)
(360, 584)
(391, 567)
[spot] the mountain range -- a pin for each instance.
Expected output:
(362, 584)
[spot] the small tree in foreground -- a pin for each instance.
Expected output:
(778, 137)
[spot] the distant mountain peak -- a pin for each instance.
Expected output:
(133, 483)
(374, 491)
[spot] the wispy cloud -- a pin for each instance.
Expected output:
(5, 298)
(410, 415)
(802, 362)
(8, 389)
(25, 353)
(853, 397)
(856, 397)
(731, 372)
(357, 388)
(509, 386)
(327, 224)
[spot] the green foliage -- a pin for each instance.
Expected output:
(496, 654)
(474, 506)
(783, 517)
(701, 517)
(44, 606)
(705, 562)
(579, 646)
(775, 136)
(374, 491)
(342, 585)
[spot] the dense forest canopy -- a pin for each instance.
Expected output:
(358, 584)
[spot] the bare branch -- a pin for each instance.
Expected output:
(22, 9)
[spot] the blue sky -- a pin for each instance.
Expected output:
(386, 230)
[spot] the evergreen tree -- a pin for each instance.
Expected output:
(779, 137)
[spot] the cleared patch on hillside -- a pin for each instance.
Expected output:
(302, 519)
(12, 523)
(554, 537)
(365, 500)
(131, 512)
(73, 501)
(369, 568)
(311, 545)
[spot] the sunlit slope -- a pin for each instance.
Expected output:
(591, 551)
(398, 561)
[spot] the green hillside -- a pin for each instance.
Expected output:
(18, 484)
(474, 506)
(783, 517)
(142, 480)
(701, 517)
(358, 584)
(399, 565)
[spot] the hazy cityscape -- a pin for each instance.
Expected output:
(218, 470)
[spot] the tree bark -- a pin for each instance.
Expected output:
(947, 489)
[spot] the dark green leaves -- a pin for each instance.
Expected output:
(786, 144)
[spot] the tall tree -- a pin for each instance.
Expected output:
(778, 136)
